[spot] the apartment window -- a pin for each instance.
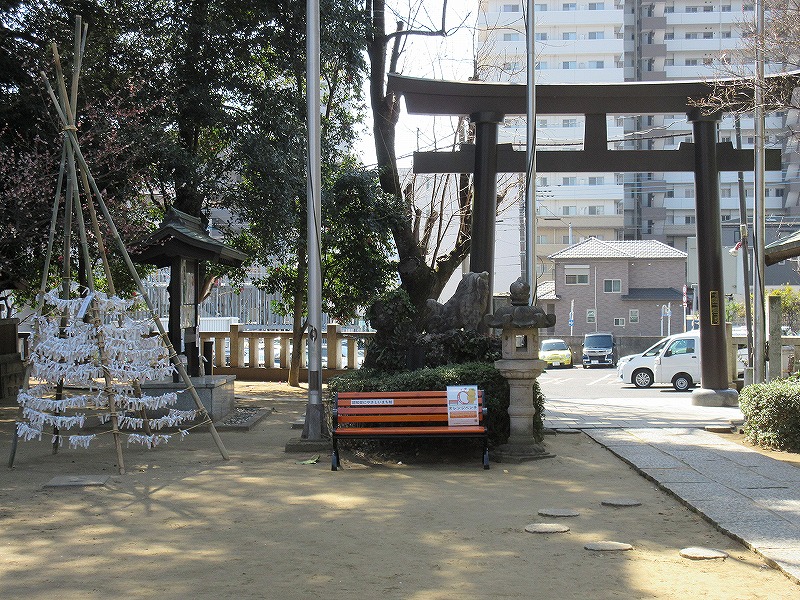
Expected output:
(596, 210)
(597, 35)
(669, 36)
(725, 8)
(569, 210)
(779, 193)
(619, 322)
(596, 6)
(725, 217)
(708, 8)
(540, 7)
(569, 35)
(692, 9)
(612, 286)
(633, 315)
(591, 315)
(669, 10)
(569, 181)
(725, 192)
(597, 180)
(691, 35)
(726, 35)
(708, 60)
(569, 123)
(726, 138)
(510, 8)
(596, 64)
(569, 6)
(748, 7)
(541, 65)
(688, 193)
(542, 239)
(511, 66)
(576, 279)
(540, 37)
(511, 37)
(689, 220)
(669, 194)
(542, 181)
(569, 64)
(690, 62)
(669, 62)
(708, 35)
(565, 239)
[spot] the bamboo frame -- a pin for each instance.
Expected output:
(65, 106)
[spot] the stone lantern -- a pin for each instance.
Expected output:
(521, 366)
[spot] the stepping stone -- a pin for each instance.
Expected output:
(77, 480)
(621, 502)
(698, 553)
(558, 512)
(607, 546)
(568, 431)
(546, 528)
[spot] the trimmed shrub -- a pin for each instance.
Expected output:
(772, 413)
(484, 375)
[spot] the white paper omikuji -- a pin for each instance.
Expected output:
(67, 350)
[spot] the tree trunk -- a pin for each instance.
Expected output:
(419, 279)
(298, 320)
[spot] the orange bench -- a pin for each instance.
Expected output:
(362, 415)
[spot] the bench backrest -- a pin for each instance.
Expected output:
(424, 408)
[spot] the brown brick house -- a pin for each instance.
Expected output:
(619, 286)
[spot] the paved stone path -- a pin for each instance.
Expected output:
(751, 497)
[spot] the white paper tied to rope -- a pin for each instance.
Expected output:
(40, 419)
(27, 433)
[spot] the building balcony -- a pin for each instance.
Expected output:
(654, 51)
(553, 18)
(604, 49)
(653, 23)
(652, 76)
(679, 229)
(712, 46)
(654, 213)
(703, 18)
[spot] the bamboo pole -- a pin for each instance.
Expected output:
(73, 139)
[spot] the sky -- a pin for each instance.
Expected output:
(431, 57)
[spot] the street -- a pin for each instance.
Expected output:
(580, 398)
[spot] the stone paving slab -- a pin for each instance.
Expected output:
(751, 497)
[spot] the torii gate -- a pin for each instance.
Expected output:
(488, 103)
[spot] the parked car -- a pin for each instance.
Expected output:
(555, 353)
(674, 360)
(599, 350)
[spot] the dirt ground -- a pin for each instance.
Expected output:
(183, 523)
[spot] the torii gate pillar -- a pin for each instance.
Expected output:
(484, 207)
(713, 342)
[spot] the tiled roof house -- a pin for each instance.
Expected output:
(617, 286)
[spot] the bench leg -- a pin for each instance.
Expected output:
(486, 455)
(335, 456)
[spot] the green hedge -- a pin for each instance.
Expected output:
(484, 375)
(772, 413)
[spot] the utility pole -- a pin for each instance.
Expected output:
(759, 209)
(530, 170)
(312, 430)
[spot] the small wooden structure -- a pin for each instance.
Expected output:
(182, 244)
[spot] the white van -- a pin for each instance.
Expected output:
(675, 360)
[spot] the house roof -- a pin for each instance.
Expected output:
(626, 249)
(787, 247)
(181, 234)
(546, 290)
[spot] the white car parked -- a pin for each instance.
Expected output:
(674, 359)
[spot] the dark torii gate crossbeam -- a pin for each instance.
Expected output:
(488, 103)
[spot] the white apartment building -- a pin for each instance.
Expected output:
(614, 41)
